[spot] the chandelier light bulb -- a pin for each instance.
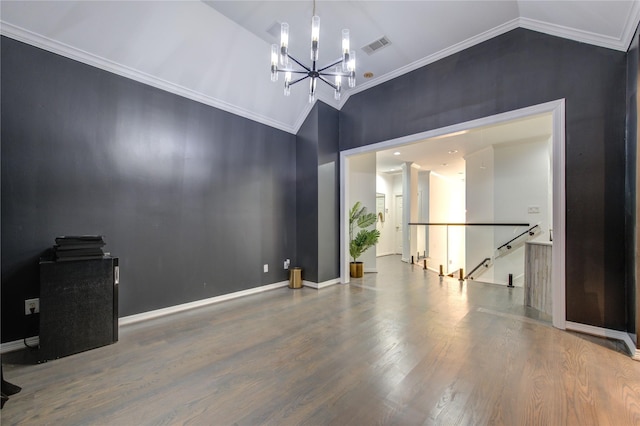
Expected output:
(315, 37)
(284, 44)
(312, 90)
(352, 68)
(345, 41)
(274, 62)
(287, 83)
(345, 50)
(338, 83)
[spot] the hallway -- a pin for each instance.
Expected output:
(398, 347)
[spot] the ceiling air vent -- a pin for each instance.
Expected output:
(373, 47)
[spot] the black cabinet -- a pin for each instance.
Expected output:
(78, 306)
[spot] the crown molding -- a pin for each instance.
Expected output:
(633, 20)
(621, 44)
(54, 46)
(458, 47)
(615, 43)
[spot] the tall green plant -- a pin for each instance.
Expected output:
(360, 219)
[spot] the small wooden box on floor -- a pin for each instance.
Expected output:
(78, 306)
(537, 276)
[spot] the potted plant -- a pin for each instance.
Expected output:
(360, 219)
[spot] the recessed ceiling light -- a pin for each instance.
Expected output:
(396, 153)
(453, 151)
(444, 164)
(367, 74)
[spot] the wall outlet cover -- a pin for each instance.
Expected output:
(31, 303)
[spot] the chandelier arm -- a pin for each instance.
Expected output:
(293, 71)
(298, 62)
(328, 82)
(298, 80)
(333, 74)
(339, 61)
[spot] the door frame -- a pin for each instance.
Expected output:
(557, 110)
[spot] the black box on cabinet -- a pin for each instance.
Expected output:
(78, 306)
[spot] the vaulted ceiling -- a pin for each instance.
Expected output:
(217, 52)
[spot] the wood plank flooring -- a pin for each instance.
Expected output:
(400, 347)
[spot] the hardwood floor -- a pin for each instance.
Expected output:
(398, 347)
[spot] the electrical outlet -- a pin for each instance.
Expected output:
(287, 262)
(31, 304)
(266, 267)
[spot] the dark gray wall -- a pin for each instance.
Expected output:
(307, 196)
(328, 194)
(515, 70)
(631, 235)
(318, 214)
(193, 200)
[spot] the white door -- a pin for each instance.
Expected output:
(398, 216)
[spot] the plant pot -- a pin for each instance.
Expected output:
(356, 269)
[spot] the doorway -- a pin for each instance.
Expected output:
(556, 109)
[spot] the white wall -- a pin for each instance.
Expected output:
(479, 171)
(505, 183)
(410, 210)
(362, 187)
(423, 212)
(457, 243)
(384, 185)
(521, 185)
(397, 230)
(446, 205)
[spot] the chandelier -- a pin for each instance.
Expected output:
(282, 62)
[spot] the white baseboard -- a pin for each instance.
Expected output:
(323, 284)
(370, 270)
(131, 319)
(609, 334)
(16, 345)
(388, 253)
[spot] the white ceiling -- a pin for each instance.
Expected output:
(446, 154)
(218, 52)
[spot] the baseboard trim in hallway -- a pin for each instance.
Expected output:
(607, 333)
(131, 319)
(323, 284)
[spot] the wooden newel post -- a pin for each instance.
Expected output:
(441, 271)
(425, 264)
